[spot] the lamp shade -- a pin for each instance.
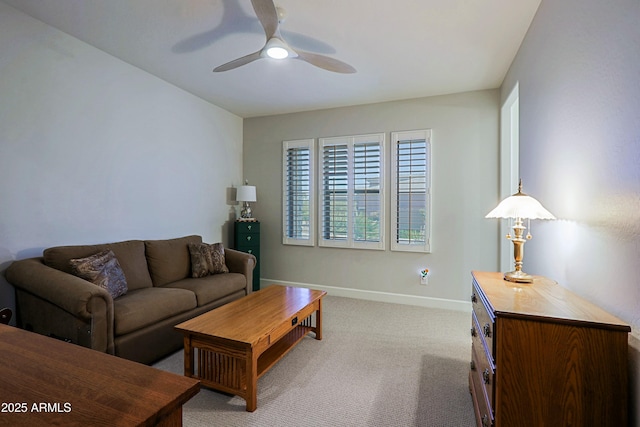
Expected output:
(520, 206)
(246, 193)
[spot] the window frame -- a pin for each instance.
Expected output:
(308, 144)
(396, 137)
(351, 142)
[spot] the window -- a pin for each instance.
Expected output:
(351, 209)
(298, 206)
(411, 193)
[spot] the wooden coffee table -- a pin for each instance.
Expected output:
(232, 346)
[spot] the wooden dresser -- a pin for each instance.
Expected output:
(542, 356)
(247, 239)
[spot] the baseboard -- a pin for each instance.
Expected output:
(420, 301)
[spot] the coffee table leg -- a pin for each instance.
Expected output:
(252, 381)
(188, 357)
(319, 320)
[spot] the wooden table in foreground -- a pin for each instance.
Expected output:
(44, 381)
(238, 342)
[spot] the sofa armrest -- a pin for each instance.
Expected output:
(241, 262)
(47, 299)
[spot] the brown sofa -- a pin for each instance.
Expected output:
(138, 325)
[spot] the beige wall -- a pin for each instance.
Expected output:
(578, 72)
(95, 150)
(464, 189)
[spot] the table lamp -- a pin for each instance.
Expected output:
(517, 208)
(246, 193)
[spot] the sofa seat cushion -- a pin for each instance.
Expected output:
(143, 307)
(130, 255)
(169, 260)
(211, 288)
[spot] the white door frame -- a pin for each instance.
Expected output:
(509, 165)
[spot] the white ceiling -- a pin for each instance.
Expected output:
(401, 49)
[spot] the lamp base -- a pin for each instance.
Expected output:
(246, 213)
(518, 276)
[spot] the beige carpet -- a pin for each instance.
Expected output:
(378, 364)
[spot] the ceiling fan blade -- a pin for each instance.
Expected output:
(300, 41)
(268, 16)
(238, 62)
(325, 62)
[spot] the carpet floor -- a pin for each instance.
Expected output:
(378, 364)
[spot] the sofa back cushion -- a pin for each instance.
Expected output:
(130, 255)
(169, 260)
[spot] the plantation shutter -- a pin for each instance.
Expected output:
(367, 203)
(335, 199)
(298, 194)
(351, 206)
(411, 196)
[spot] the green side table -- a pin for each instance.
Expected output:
(247, 239)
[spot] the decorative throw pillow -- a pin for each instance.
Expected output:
(207, 259)
(102, 269)
(217, 259)
(200, 259)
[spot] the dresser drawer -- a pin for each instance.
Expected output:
(482, 365)
(247, 239)
(485, 318)
(247, 227)
(482, 405)
(253, 250)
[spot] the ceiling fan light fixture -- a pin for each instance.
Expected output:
(277, 52)
(271, 17)
(276, 49)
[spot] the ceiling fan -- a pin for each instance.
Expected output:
(275, 47)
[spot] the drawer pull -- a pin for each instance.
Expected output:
(474, 298)
(249, 227)
(472, 365)
(473, 332)
(250, 251)
(487, 330)
(485, 421)
(248, 237)
(486, 376)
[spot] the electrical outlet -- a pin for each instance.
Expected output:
(424, 276)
